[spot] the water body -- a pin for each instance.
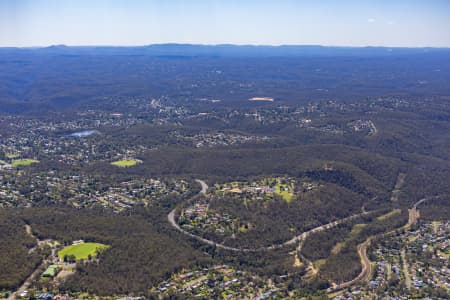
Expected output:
(84, 133)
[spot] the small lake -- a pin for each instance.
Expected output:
(84, 133)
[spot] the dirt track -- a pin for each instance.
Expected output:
(26, 284)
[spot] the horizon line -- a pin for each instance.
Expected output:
(221, 44)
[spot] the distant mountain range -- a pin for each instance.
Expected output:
(225, 50)
(61, 77)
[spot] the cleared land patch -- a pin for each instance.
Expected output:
(337, 248)
(24, 162)
(261, 99)
(12, 155)
(260, 189)
(82, 251)
(389, 214)
(126, 163)
(285, 191)
(51, 271)
(357, 228)
(319, 263)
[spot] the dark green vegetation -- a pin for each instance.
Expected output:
(16, 261)
(139, 255)
(436, 209)
(36, 79)
(277, 221)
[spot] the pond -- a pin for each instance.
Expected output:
(84, 133)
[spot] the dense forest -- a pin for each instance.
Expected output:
(138, 258)
(278, 221)
(16, 261)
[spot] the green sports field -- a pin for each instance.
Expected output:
(82, 251)
(24, 162)
(126, 163)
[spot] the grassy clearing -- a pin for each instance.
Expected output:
(268, 187)
(12, 155)
(285, 192)
(337, 248)
(445, 254)
(51, 271)
(24, 162)
(435, 225)
(389, 214)
(82, 251)
(297, 262)
(319, 263)
(126, 163)
(356, 230)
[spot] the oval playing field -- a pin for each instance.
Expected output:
(82, 251)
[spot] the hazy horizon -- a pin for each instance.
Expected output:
(349, 23)
(222, 44)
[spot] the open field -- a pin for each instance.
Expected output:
(435, 225)
(261, 99)
(267, 186)
(445, 254)
(82, 251)
(285, 191)
(337, 248)
(24, 162)
(51, 271)
(389, 214)
(357, 228)
(319, 263)
(126, 163)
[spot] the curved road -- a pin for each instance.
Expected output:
(294, 240)
(366, 269)
(171, 219)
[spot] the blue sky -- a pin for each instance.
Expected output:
(412, 23)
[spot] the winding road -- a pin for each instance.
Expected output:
(172, 221)
(366, 267)
(293, 241)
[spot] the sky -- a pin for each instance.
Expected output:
(403, 23)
